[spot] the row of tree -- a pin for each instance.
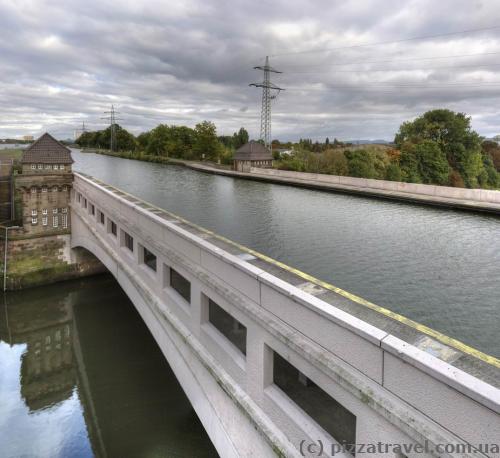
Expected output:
(439, 147)
(180, 142)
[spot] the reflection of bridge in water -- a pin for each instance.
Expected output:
(94, 343)
(271, 358)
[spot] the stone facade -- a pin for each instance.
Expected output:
(44, 186)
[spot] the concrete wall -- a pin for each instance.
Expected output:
(480, 195)
(398, 393)
(44, 260)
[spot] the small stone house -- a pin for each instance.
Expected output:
(252, 154)
(45, 186)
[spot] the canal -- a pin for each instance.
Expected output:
(436, 266)
(82, 376)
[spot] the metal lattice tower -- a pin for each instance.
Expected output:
(269, 92)
(112, 123)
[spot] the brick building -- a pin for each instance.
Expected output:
(252, 154)
(45, 185)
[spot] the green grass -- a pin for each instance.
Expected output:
(10, 153)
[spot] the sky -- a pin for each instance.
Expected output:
(181, 62)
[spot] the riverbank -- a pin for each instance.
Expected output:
(477, 200)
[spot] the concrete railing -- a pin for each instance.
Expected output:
(397, 392)
(479, 195)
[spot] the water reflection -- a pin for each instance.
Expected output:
(81, 376)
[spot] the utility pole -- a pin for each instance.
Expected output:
(112, 123)
(269, 92)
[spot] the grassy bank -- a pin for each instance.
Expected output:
(10, 153)
(138, 156)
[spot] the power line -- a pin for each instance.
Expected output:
(397, 60)
(362, 45)
(398, 69)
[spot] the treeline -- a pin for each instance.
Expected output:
(439, 148)
(165, 141)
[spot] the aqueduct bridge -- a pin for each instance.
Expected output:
(275, 362)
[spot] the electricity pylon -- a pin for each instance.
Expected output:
(269, 92)
(112, 122)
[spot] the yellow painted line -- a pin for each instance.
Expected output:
(451, 342)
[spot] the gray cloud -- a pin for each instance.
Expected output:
(180, 62)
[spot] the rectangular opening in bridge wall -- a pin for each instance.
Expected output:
(112, 229)
(126, 240)
(228, 326)
(100, 217)
(92, 209)
(334, 418)
(180, 284)
(148, 258)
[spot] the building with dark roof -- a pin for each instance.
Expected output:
(44, 186)
(252, 154)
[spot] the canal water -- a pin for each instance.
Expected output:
(81, 376)
(436, 266)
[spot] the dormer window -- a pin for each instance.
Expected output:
(33, 166)
(40, 166)
(44, 188)
(61, 166)
(33, 190)
(48, 166)
(56, 167)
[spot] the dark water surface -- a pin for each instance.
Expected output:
(439, 267)
(81, 376)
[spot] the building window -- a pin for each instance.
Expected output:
(44, 220)
(149, 259)
(55, 189)
(33, 190)
(65, 188)
(228, 326)
(40, 166)
(79, 197)
(56, 167)
(61, 166)
(55, 221)
(33, 166)
(48, 166)
(64, 210)
(84, 202)
(64, 219)
(102, 218)
(44, 188)
(180, 284)
(54, 210)
(334, 418)
(34, 212)
(44, 211)
(34, 221)
(128, 241)
(92, 209)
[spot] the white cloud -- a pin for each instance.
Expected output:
(184, 61)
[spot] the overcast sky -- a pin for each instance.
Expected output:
(184, 61)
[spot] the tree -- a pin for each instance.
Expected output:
(452, 134)
(361, 164)
(206, 144)
(240, 138)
